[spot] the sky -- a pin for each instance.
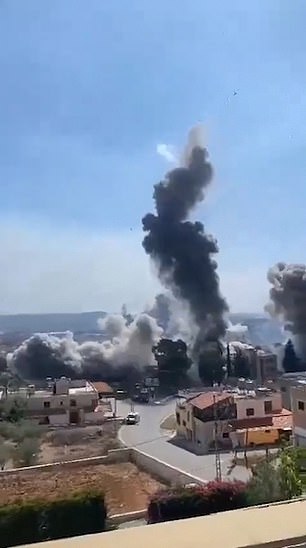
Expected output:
(90, 89)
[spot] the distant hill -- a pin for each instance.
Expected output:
(33, 323)
(262, 329)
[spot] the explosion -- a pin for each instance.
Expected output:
(180, 249)
(128, 347)
(288, 300)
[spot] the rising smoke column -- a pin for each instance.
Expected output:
(288, 300)
(180, 249)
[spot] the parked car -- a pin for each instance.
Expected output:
(132, 418)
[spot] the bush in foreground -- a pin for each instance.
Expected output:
(37, 521)
(188, 502)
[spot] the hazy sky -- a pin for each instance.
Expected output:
(90, 88)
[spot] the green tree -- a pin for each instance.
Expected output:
(12, 410)
(241, 365)
(5, 453)
(211, 363)
(291, 362)
(275, 481)
(264, 485)
(290, 484)
(172, 359)
(229, 367)
(27, 451)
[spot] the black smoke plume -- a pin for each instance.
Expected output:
(181, 249)
(288, 300)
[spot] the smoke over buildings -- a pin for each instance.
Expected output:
(181, 249)
(128, 346)
(288, 300)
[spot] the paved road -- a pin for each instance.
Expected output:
(148, 436)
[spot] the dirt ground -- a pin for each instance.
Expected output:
(77, 443)
(126, 488)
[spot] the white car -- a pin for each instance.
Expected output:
(132, 418)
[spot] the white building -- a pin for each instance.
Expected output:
(63, 402)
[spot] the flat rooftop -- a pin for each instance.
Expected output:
(279, 525)
(23, 392)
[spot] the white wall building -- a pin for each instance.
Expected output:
(63, 402)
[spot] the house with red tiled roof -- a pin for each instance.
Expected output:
(231, 419)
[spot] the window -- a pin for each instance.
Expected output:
(225, 435)
(46, 404)
(61, 403)
(73, 403)
(283, 389)
(184, 423)
(188, 416)
(268, 407)
(178, 418)
(267, 431)
(301, 405)
(250, 412)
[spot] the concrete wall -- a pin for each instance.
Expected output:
(155, 467)
(258, 404)
(298, 400)
(59, 420)
(160, 469)
(185, 423)
(299, 435)
(94, 417)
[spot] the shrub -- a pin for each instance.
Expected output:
(5, 454)
(264, 486)
(26, 453)
(187, 502)
(276, 481)
(36, 521)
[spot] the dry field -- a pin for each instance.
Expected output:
(126, 488)
(77, 443)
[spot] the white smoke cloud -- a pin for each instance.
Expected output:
(236, 332)
(167, 152)
(127, 345)
(195, 139)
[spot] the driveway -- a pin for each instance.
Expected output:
(151, 439)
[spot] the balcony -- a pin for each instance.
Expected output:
(279, 525)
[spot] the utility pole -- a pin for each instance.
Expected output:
(217, 452)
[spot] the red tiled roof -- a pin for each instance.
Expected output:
(207, 399)
(280, 421)
(102, 387)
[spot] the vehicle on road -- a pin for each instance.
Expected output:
(132, 418)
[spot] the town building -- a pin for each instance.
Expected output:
(298, 403)
(266, 366)
(263, 362)
(232, 419)
(62, 402)
(286, 382)
(104, 389)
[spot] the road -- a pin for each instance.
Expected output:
(150, 438)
